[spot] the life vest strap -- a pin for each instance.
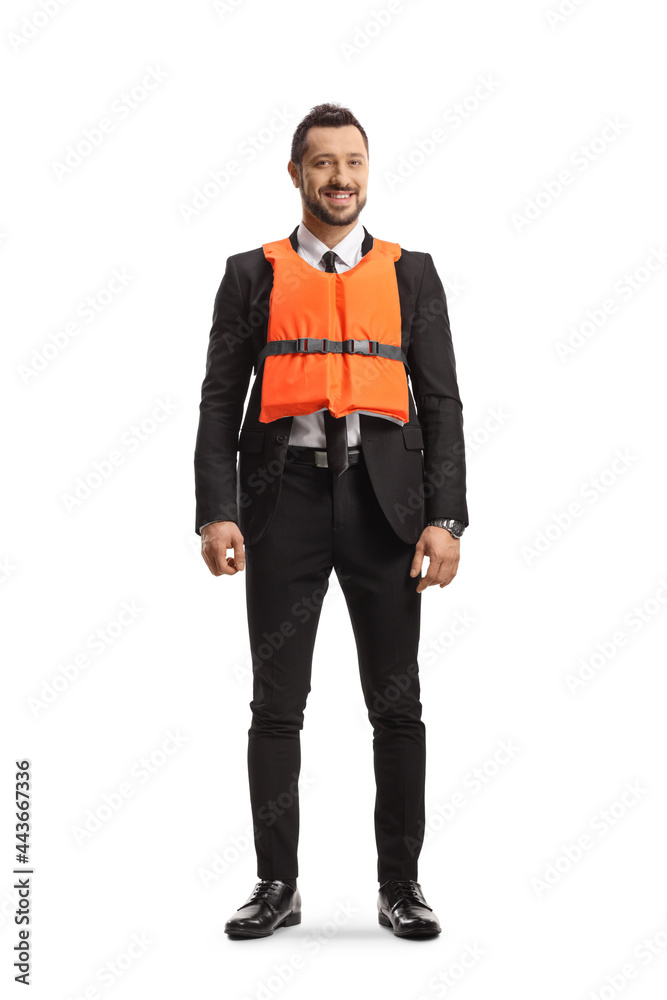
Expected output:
(313, 345)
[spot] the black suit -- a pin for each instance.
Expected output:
(299, 522)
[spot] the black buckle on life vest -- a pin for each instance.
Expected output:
(352, 346)
(315, 345)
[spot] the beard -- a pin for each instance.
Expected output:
(331, 218)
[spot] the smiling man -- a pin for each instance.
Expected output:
(350, 458)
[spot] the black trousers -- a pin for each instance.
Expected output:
(323, 522)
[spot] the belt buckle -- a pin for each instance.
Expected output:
(321, 459)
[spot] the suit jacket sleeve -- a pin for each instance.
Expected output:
(436, 393)
(229, 365)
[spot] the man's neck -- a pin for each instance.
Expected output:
(331, 236)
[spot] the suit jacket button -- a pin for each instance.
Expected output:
(281, 438)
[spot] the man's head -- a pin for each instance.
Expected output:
(329, 156)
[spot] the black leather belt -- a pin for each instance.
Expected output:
(302, 455)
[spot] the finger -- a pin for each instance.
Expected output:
(205, 555)
(215, 559)
(210, 561)
(416, 565)
(239, 555)
(430, 577)
(450, 576)
(224, 562)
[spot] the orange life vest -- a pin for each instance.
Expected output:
(333, 340)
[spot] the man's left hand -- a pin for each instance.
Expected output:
(443, 552)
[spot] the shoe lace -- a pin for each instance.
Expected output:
(262, 889)
(406, 889)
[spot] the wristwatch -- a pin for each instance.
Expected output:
(455, 528)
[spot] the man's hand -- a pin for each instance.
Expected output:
(443, 552)
(216, 538)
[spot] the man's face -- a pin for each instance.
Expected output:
(335, 162)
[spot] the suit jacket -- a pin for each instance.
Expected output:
(417, 470)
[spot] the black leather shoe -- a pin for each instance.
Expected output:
(401, 905)
(269, 905)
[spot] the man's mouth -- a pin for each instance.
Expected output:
(340, 197)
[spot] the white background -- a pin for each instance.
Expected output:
(543, 432)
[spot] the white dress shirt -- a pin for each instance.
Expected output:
(309, 429)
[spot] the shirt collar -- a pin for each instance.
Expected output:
(349, 248)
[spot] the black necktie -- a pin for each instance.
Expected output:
(335, 428)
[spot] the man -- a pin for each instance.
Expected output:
(340, 467)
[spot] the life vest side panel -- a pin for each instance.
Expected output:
(363, 304)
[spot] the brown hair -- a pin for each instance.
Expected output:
(324, 115)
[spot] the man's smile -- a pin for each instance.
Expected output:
(340, 197)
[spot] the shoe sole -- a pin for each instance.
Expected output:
(289, 921)
(384, 920)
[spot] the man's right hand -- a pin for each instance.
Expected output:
(216, 538)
